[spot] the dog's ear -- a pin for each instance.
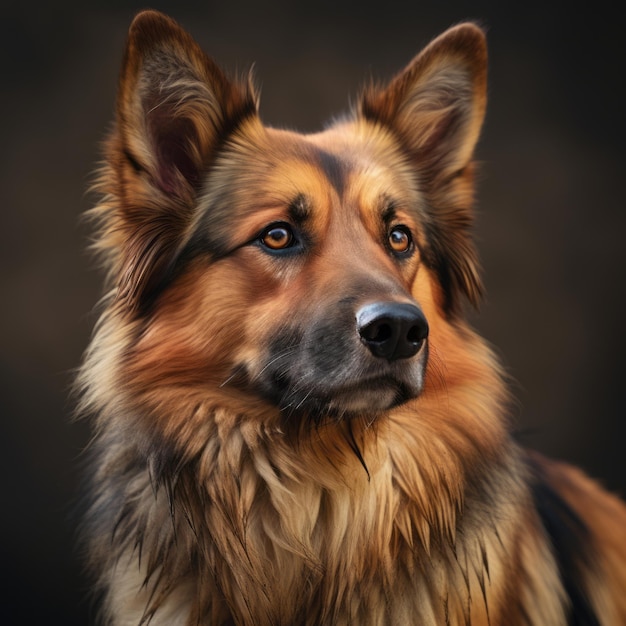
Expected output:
(175, 109)
(435, 107)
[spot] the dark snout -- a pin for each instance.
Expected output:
(392, 330)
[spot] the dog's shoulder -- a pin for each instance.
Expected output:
(585, 527)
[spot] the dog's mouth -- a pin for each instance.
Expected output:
(370, 395)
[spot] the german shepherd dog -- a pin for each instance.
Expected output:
(294, 424)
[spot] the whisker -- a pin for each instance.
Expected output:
(228, 380)
(308, 393)
(281, 355)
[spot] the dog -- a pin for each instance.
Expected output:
(294, 423)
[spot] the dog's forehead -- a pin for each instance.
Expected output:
(348, 170)
(353, 162)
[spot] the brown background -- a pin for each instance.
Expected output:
(551, 224)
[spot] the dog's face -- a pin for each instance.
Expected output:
(325, 236)
(297, 270)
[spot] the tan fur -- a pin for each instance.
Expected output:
(213, 501)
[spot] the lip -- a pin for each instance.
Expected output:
(372, 383)
(371, 395)
(377, 383)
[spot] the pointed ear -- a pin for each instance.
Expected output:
(175, 105)
(435, 107)
(437, 103)
(175, 109)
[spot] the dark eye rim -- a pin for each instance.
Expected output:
(401, 254)
(292, 247)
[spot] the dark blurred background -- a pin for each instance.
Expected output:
(551, 222)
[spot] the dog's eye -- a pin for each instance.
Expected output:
(278, 237)
(400, 240)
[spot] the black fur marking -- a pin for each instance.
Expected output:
(335, 170)
(357, 451)
(133, 161)
(389, 213)
(572, 546)
(208, 239)
(450, 252)
(299, 210)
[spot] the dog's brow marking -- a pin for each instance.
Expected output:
(389, 213)
(299, 210)
(334, 169)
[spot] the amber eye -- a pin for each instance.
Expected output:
(277, 237)
(400, 239)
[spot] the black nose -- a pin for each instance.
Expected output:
(392, 330)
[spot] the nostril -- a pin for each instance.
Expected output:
(415, 334)
(377, 332)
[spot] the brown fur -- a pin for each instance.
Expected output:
(253, 462)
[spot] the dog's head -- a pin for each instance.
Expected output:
(301, 272)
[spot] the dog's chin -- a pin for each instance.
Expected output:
(367, 399)
(374, 397)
